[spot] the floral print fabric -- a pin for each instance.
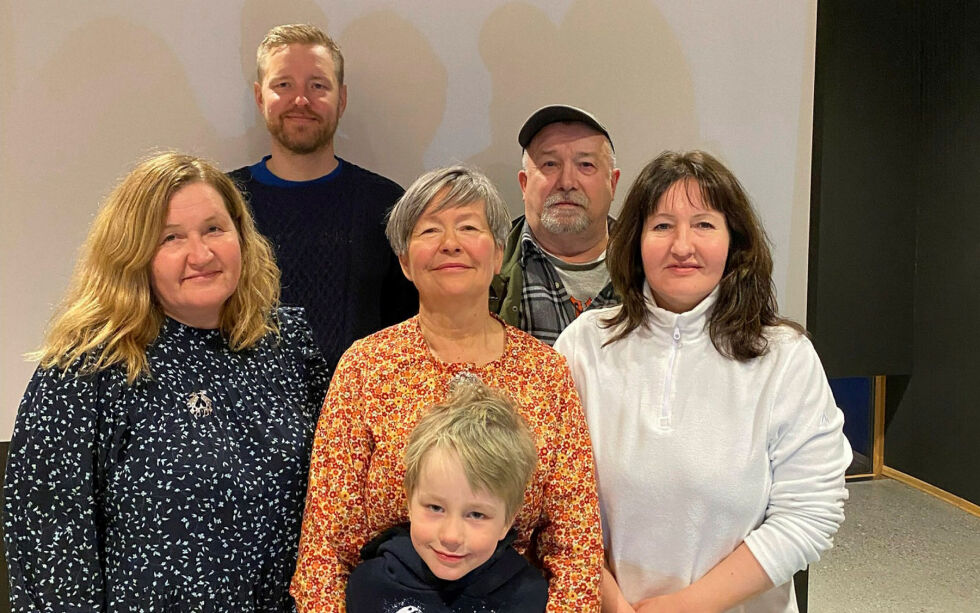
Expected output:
(382, 386)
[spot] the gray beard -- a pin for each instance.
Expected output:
(563, 224)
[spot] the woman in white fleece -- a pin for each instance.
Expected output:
(718, 446)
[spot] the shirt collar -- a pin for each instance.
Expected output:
(688, 322)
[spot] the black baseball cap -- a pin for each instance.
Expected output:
(554, 113)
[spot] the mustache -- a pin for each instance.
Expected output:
(575, 197)
(302, 113)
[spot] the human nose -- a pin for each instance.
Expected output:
(682, 248)
(450, 242)
(566, 177)
(199, 253)
(451, 533)
(302, 99)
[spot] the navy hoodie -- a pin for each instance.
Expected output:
(394, 579)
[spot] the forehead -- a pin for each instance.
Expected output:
(300, 58)
(441, 473)
(683, 194)
(440, 204)
(196, 199)
(575, 135)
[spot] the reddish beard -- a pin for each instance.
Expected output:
(306, 140)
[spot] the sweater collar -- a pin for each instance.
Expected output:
(693, 322)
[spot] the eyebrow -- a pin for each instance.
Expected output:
(575, 154)
(206, 220)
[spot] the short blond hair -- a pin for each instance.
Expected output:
(109, 314)
(494, 444)
(301, 34)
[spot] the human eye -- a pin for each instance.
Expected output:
(433, 508)
(169, 237)
(660, 226)
(477, 515)
(704, 225)
(215, 229)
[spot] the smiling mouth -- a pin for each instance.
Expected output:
(448, 557)
(684, 269)
(203, 275)
(452, 267)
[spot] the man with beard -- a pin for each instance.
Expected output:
(323, 214)
(554, 263)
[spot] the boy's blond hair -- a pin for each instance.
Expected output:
(494, 444)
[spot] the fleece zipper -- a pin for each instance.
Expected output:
(665, 412)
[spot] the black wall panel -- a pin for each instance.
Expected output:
(894, 284)
(862, 222)
(935, 432)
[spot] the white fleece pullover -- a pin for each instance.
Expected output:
(696, 452)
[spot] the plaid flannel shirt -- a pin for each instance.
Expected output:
(546, 309)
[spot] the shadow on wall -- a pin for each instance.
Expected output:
(624, 64)
(396, 95)
(52, 188)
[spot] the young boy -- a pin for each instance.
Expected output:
(467, 464)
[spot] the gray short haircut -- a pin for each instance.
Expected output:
(455, 186)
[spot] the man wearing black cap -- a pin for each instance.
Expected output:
(554, 262)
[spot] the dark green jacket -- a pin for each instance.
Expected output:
(506, 287)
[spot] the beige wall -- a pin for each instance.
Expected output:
(90, 87)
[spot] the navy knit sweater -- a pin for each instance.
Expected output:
(329, 239)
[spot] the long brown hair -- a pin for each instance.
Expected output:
(746, 297)
(109, 314)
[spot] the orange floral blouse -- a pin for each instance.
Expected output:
(382, 386)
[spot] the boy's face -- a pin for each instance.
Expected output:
(454, 529)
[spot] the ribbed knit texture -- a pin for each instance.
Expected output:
(329, 239)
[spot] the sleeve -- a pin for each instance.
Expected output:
(316, 374)
(570, 544)
(808, 455)
(51, 515)
(334, 522)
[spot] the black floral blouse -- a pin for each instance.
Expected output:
(182, 492)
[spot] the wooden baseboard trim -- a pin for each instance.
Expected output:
(878, 426)
(932, 490)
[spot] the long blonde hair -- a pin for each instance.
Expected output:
(109, 314)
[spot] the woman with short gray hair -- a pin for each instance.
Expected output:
(449, 231)
(456, 186)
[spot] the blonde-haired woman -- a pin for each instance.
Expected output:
(160, 453)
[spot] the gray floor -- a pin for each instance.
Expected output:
(899, 550)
